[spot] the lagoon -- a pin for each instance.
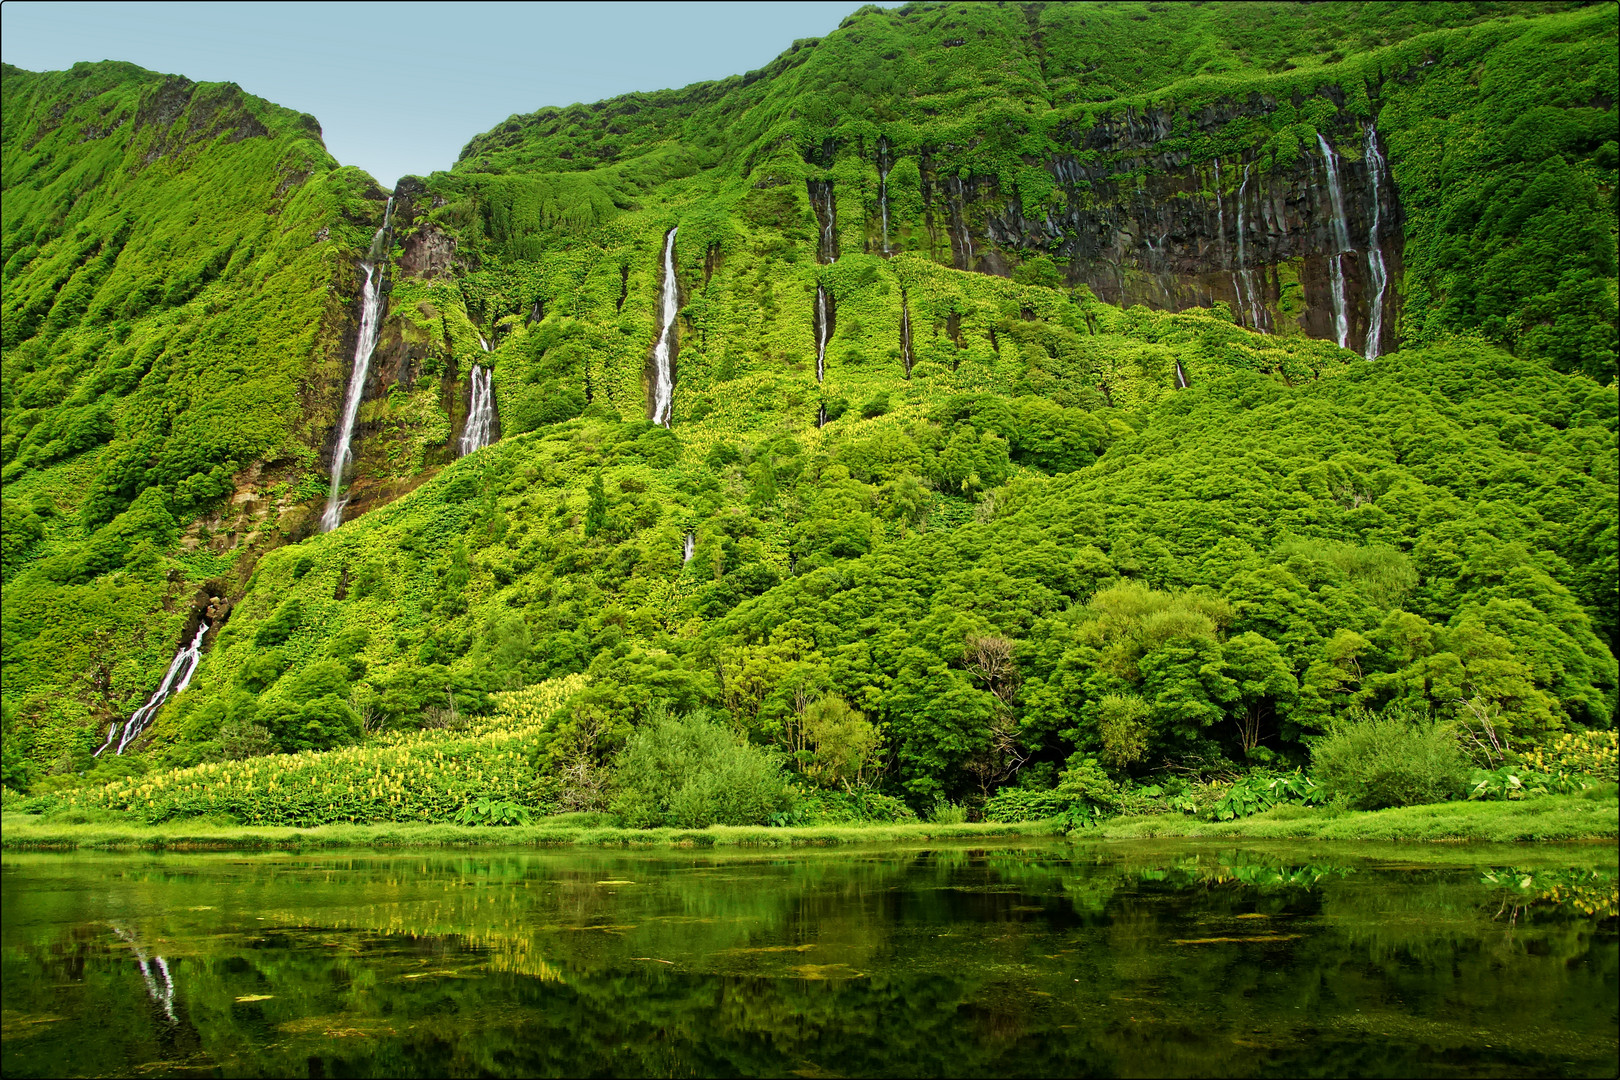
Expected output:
(1027, 958)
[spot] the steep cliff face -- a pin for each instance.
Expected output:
(1140, 222)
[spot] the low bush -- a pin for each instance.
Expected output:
(1370, 761)
(859, 806)
(690, 772)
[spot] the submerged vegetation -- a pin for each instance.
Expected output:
(956, 512)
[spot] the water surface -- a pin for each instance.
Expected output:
(1045, 959)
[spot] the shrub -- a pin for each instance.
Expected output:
(854, 807)
(691, 773)
(1023, 804)
(1261, 790)
(947, 813)
(1397, 757)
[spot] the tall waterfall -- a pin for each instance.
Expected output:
(688, 545)
(1341, 244)
(664, 354)
(884, 165)
(480, 411)
(174, 681)
(1181, 377)
(1245, 275)
(823, 331)
(371, 305)
(1220, 216)
(1377, 272)
(906, 359)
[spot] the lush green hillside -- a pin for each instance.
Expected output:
(1086, 475)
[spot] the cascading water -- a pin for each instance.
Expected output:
(688, 545)
(1377, 272)
(664, 354)
(1220, 216)
(174, 681)
(480, 411)
(964, 238)
(1341, 244)
(1244, 276)
(905, 333)
(884, 165)
(823, 328)
(483, 342)
(371, 305)
(1181, 377)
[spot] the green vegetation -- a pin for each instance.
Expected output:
(1017, 574)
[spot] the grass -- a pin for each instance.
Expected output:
(1551, 818)
(1557, 817)
(26, 832)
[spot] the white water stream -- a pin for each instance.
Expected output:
(1377, 272)
(821, 333)
(1246, 292)
(480, 411)
(1341, 244)
(371, 305)
(174, 681)
(663, 355)
(688, 545)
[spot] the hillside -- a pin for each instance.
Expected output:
(1144, 383)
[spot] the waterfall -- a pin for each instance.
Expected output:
(905, 333)
(1341, 244)
(964, 237)
(664, 354)
(1244, 276)
(884, 165)
(371, 305)
(480, 411)
(688, 545)
(823, 331)
(174, 681)
(1220, 216)
(1377, 272)
(481, 341)
(1181, 377)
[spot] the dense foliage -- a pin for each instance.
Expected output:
(1020, 553)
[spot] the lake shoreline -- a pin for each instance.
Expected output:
(1554, 818)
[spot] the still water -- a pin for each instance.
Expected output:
(1052, 959)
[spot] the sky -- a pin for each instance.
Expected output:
(400, 88)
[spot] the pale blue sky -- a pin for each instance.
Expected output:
(399, 88)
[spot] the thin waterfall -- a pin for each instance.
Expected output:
(664, 354)
(829, 230)
(905, 333)
(1220, 216)
(482, 341)
(480, 411)
(1244, 276)
(1181, 377)
(688, 545)
(1377, 272)
(371, 305)
(1341, 244)
(823, 331)
(884, 165)
(964, 237)
(174, 681)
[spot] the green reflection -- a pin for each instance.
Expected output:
(1031, 960)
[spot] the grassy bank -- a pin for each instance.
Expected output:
(22, 832)
(1557, 817)
(1551, 818)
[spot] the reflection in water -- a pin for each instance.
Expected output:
(1047, 959)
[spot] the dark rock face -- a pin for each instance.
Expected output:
(427, 253)
(1140, 222)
